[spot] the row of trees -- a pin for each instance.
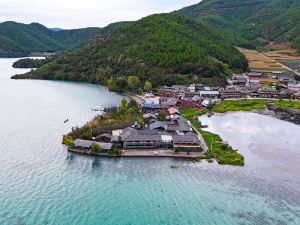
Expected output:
(132, 83)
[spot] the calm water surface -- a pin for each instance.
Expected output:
(40, 183)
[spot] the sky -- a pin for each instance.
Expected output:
(69, 14)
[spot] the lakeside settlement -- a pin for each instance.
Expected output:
(165, 123)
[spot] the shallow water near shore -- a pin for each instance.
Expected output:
(41, 183)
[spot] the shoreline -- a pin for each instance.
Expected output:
(143, 154)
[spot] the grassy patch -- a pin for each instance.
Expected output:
(192, 112)
(240, 105)
(285, 104)
(223, 152)
(217, 149)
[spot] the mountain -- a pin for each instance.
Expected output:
(251, 22)
(55, 29)
(17, 39)
(158, 48)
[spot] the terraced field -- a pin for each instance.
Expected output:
(293, 64)
(260, 62)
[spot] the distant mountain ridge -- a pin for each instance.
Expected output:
(251, 22)
(17, 39)
(162, 48)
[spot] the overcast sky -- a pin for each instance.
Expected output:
(84, 13)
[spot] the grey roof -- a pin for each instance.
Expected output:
(107, 135)
(157, 124)
(209, 93)
(180, 87)
(239, 77)
(87, 144)
(143, 138)
(148, 132)
(170, 102)
(267, 90)
(254, 74)
(230, 90)
(186, 139)
(180, 124)
(287, 79)
(127, 132)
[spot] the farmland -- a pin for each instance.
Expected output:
(260, 62)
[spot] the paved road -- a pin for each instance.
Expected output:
(203, 143)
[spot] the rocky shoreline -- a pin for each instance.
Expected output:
(287, 114)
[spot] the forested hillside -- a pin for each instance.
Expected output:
(18, 39)
(160, 48)
(251, 23)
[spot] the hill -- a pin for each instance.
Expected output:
(252, 22)
(17, 39)
(160, 48)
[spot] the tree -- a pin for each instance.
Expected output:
(162, 115)
(111, 84)
(123, 104)
(87, 135)
(133, 82)
(148, 86)
(95, 147)
(68, 140)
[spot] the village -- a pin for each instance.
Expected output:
(163, 131)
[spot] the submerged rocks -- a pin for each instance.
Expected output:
(288, 114)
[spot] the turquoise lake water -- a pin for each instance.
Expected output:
(41, 183)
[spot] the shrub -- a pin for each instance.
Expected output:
(95, 147)
(68, 140)
(87, 135)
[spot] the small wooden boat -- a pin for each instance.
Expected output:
(67, 120)
(204, 126)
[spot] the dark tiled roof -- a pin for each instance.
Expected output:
(143, 138)
(186, 139)
(157, 124)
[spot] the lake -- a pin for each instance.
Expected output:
(41, 183)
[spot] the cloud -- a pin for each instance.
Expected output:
(84, 13)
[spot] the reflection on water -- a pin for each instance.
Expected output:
(264, 141)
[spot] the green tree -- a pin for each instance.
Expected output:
(162, 115)
(148, 86)
(111, 84)
(95, 147)
(68, 140)
(133, 82)
(87, 135)
(123, 104)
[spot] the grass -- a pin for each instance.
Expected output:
(250, 104)
(240, 105)
(285, 104)
(111, 119)
(223, 152)
(114, 119)
(192, 112)
(217, 149)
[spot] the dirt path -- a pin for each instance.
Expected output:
(284, 66)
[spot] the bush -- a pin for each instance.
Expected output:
(87, 135)
(68, 140)
(115, 152)
(95, 147)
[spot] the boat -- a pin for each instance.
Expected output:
(67, 120)
(97, 108)
(204, 126)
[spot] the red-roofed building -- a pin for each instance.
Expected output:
(173, 111)
(188, 104)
